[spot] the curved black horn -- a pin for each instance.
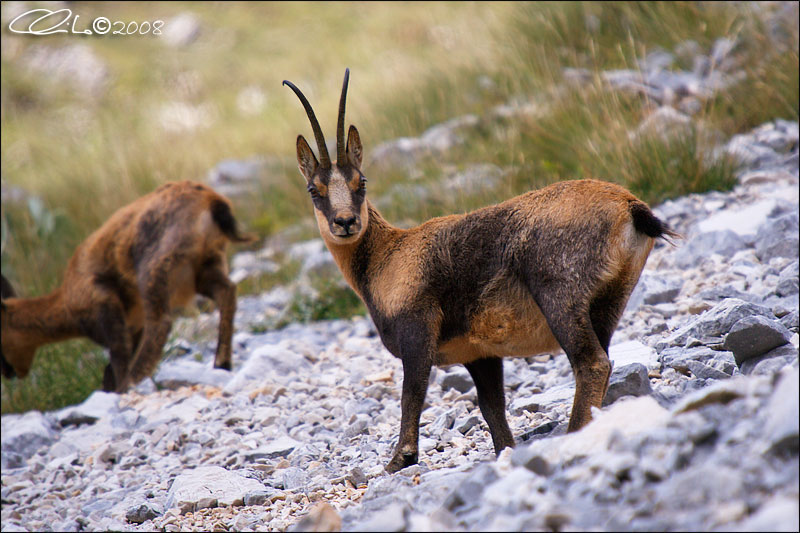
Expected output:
(324, 158)
(340, 146)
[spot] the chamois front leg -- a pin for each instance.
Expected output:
(487, 374)
(416, 371)
(111, 331)
(213, 283)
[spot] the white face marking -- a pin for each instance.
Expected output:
(339, 192)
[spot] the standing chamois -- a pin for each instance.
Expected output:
(123, 282)
(548, 269)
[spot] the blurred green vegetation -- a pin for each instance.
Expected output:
(286, 273)
(83, 153)
(331, 299)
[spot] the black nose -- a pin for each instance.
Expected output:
(345, 223)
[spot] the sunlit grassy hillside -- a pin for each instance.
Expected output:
(83, 143)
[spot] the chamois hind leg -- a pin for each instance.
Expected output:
(572, 327)
(154, 335)
(136, 337)
(154, 286)
(213, 282)
(605, 311)
(487, 374)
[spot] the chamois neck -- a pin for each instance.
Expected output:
(378, 229)
(43, 319)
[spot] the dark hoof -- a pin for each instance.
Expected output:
(401, 461)
(109, 383)
(7, 369)
(123, 386)
(224, 366)
(499, 450)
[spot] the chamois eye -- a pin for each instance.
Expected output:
(362, 184)
(313, 191)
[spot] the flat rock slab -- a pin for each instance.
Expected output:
(142, 512)
(771, 362)
(537, 402)
(778, 238)
(268, 361)
(783, 425)
(280, 447)
(23, 435)
(745, 221)
(716, 322)
(627, 380)
(98, 405)
(654, 289)
(721, 392)
(209, 486)
(755, 335)
(176, 374)
(723, 242)
(457, 378)
(702, 370)
(788, 281)
(627, 418)
(184, 409)
(627, 353)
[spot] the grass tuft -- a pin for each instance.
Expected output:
(328, 299)
(63, 374)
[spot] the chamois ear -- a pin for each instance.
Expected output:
(355, 152)
(306, 159)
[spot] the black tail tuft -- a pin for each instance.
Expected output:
(221, 213)
(646, 222)
(5, 368)
(6, 289)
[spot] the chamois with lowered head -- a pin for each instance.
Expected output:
(549, 269)
(123, 282)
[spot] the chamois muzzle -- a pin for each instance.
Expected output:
(346, 225)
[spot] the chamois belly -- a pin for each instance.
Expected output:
(501, 327)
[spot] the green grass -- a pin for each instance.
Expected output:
(63, 374)
(330, 300)
(413, 65)
(287, 272)
(768, 92)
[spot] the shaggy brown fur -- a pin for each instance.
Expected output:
(550, 268)
(123, 282)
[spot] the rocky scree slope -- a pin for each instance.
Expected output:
(701, 429)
